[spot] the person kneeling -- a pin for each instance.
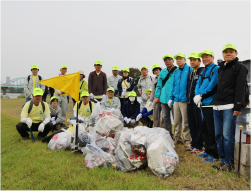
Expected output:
(110, 101)
(131, 109)
(146, 115)
(85, 106)
(32, 116)
(55, 113)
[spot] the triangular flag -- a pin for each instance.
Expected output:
(66, 83)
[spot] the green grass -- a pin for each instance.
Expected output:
(25, 165)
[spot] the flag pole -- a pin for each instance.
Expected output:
(76, 133)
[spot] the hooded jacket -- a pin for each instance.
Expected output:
(105, 103)
(205, 86)
(231, 87)
(191, 84)
(164, 93)
(179, 90)
(131, 110)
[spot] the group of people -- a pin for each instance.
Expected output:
(206, 100)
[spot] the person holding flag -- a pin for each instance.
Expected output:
(62, 96)
(32, 117)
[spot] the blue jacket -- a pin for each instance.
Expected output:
(164, 93)
(206, 87)
(131, 110)
(179, 90)
(119, 86)
(145, 113)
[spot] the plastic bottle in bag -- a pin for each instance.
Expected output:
(124, 160)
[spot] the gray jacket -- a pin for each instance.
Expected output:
(56, 112)
(112, 81)
(155, 81)
(143, 84)
(28, 86)
(105, 103)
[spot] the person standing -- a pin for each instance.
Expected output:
(158, 120)
(32, 116)
(62, 96)
(145, 82)
(82, 85)
(229, 100)
(31, 82)
(125, 86)
(178, 95)
(97, 82)
(205, 91)
(112, 81)
(192, 109)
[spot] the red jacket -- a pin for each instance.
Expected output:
(97, 84)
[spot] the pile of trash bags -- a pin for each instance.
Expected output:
(104, 141)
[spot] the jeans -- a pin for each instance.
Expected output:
(28, 99)
(208, 132)
(193, 122)
(167, 117)
(225, 124)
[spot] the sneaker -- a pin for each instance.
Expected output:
(218, 166)
(227, 168)
(197, 151)
(210, 159)
(190, 148)
(204, 155)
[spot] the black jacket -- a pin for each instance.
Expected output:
(231, 87)
(191, 83)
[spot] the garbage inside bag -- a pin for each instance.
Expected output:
(97, 157)
(48, 138)
(83, 138)
(105, 144)
(72, 127)
(60, 141)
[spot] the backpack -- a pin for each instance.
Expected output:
(39, 77)
(31, 105)
(101, 72)
(209, 77)
(236, 71)
(90, 105)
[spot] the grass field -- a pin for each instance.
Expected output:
(25, 165)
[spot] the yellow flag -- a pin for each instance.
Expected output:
(66, 83)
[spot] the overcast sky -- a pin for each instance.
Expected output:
(127, 34)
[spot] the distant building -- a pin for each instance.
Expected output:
(7, 79)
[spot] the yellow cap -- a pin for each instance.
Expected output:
(84, 93)
(54, 97)
(229, 45)
(155, 66)
(167, 56)
(34, 66)
(63, 66)
(37, 91)
(180, 54)
(115, 67)
(126, 70)
(206, 52)
(148, 90)
(111, 89)
(144, 67)
(132, 94)
(98, 62)
(194, 55)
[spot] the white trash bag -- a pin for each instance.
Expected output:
(60, 141)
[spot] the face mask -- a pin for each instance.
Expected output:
(132, 98)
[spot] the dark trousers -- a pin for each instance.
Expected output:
(44, 96)
(122, 102)
(147, 122)
(193, 123)
(23, 129)
(208, 132)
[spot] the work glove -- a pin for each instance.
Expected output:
(125, 119)
(41, 127)
(170, 103)
(53, 118)
(104, 96)
(197, 99)
(150, 104)
(91, 95)
(128, 120)
(54, 122)
(123, 94)
(199, 104)
(29, 122)
(138, 117)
